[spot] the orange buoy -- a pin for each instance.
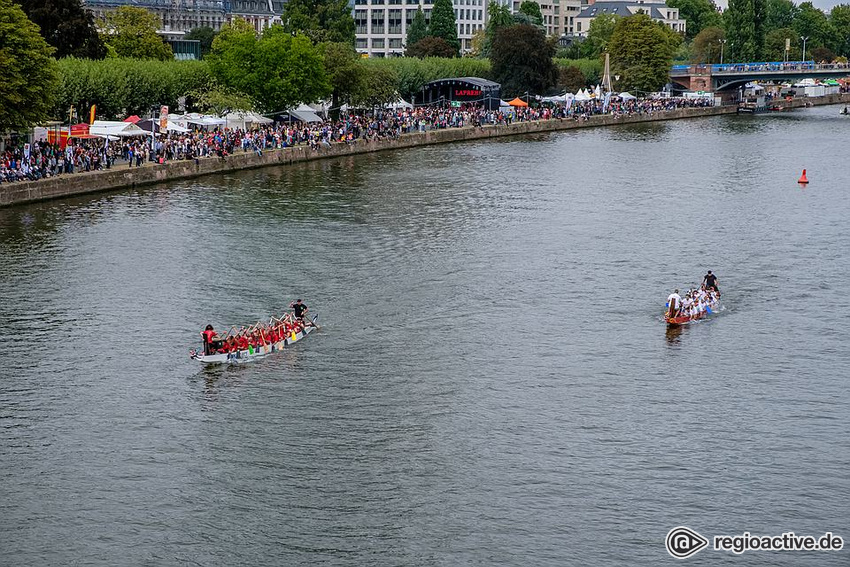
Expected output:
(803, 179)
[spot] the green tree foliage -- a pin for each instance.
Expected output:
(699, 14)
(412, 73)
(598, 35)
(839, 17)
(779, 14)
(430, 46)
(218, 100)
(28, 76)
(120, 87)
(811, 22)
(278, 70)
(377, 87)
(320, 20)
(592, 69)
(67, 26)
(499, 17)
(205, 35)
(745, 29)
(822, 55)
(443, 23)
(345, 73)
(774, 44)
(571, 78)
(706, 45)
(522, 60)
(418, 28)
(532, 9)
(641, 53)
(131, 32)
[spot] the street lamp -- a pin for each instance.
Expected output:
(804, 46)
(722, 44)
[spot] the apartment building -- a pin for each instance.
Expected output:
(656, 9)
(381, 25)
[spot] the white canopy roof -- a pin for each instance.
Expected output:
(582, 95)
(627, 96)
(240, 119)
(558, 98)
(115, 129)
(305, 114)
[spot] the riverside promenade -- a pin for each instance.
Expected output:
(120, 178)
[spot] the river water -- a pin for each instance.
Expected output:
(493, 383)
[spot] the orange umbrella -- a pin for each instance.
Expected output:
(518, 102)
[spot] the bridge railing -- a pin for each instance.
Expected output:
(768, 66)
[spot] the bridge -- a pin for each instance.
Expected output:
(730, 76)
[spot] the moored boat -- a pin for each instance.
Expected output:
(253, 353)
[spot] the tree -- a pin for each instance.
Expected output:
(277, 70)
(342, 65)
(774, 44)
(571, 78)
(67, 26)
(699, 14)
(532, 9)
(707, 45)
(641, 53)
(839, 17)
(813, 23)
(28, 75)
(320, 20)
(378, 87)
(823, 54)
(418, 29)
(479, 39)
(522, 60)
(431, 46)
(599, 34)
(779, 14)
(205, 35)
(131, 32)
(443, 23)
(499, 17)
(745, 29)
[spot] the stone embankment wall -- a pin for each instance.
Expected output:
(123, 177)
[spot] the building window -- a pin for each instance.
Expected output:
(378, 43)
(395, 43)
(361, 21)
(378, 20)
(578, 26)
(361, 43)
(394, 21)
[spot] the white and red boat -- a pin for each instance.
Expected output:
(254, 353)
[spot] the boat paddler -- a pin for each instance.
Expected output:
(674, 303)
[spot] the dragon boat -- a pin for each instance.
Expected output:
(254, 353)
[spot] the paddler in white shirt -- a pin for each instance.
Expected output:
(674, 304)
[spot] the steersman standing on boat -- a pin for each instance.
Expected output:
(674, 304)
(710, 282)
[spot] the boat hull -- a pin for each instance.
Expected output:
(243, 356)
(685, 319)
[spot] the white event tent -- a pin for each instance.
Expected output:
(112, 129)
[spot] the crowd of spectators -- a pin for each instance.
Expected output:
(30, 162)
